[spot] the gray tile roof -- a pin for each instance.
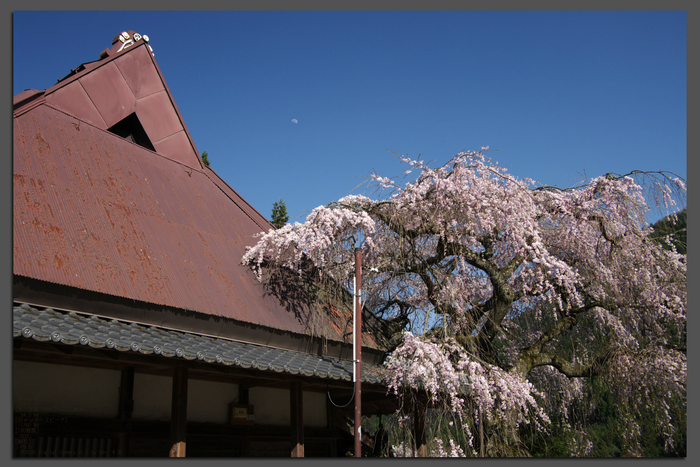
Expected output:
(77, 329)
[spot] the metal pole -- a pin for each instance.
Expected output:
(358, 354)
(354, 359)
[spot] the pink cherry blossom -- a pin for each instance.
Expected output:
(514, 295)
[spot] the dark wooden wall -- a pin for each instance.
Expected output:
(46, 435)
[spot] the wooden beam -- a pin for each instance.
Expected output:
(66, 349)
(296, 398)
(178, 420)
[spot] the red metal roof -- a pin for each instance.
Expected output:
(95, 211)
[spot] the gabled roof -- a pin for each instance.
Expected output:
(125, 81)
(96, 211)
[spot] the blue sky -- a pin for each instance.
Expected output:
(304, 105)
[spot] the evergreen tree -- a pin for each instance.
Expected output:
(672, 230)
(205, 158)
(279, 214)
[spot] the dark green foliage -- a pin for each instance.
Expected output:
(652, 443)
(603, 430)
(279, 214)
(677, 228)
(205, 158)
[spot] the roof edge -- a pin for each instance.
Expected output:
(123, 43)
(24, 98)
(36, 292)
(49, 324)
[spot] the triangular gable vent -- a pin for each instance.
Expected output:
(130, 128)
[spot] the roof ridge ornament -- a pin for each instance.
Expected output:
(123, 41)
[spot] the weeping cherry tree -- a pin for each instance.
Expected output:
(514, 297)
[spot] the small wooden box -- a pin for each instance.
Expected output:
(241, 414)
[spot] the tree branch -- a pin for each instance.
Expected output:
(533, 355)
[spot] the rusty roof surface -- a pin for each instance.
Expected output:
(98, 212)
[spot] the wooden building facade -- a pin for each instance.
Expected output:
(136, 330)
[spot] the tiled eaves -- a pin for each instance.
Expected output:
(71, 328)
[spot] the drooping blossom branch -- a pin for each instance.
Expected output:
(524, 279)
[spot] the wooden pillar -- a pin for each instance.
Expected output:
(330, 424)
(126, 408)
(243, 395)
(419, 427)
(296, 398)
(178, 421)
